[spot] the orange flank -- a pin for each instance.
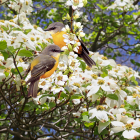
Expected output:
(50, 72)
(58, 39)
(34, 62)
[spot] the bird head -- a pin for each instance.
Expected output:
(52, 50)
(55, 27)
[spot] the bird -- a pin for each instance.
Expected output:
(55, 30)
(43, 66)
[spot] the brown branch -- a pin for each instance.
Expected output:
(17, 134)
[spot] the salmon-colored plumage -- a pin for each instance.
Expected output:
(58, 39)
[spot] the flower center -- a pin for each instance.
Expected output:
(101, 82)
(77, 85)
(59, 78)
(88, 68)
(61, 65)
(72, 64)
(32, 39)
(128, 126)
(104, 58)
(76, 2)
(94, 76)
(43, 83)
(100, 107)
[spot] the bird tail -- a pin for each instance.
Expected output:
(89, 61)
(33, 88)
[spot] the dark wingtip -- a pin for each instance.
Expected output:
(89, 61)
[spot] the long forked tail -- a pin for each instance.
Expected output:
(89, 61)
(33, 88)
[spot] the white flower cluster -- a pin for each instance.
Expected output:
(21, 6)
(24, 34)
(19, 34)
(71, 38)
(75, 4)
(77, 30)
(92, 84)
(123, 5)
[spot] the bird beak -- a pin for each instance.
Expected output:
(61, 51)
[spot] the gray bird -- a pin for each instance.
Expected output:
(55, 30)
(43, 66)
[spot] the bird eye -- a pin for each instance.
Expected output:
(52, 28)
(53, 50)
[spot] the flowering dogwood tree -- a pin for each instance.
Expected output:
(76, 102)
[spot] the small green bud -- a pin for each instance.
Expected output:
(84, 2)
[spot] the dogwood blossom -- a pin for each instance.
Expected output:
(75, 3)
(128, 129)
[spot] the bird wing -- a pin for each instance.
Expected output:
(83, 45)
(45, 64)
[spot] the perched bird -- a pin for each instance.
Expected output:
(55, 30)
(43, 66)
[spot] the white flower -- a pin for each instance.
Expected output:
(57, 89)
(128, 128)
(70, 39)
(117, 111)
(75, 3)
(61, 79)
(76, 101)
(77, 14)
(102, 116)
(82, 34)
(97, 84)
(66, 29)
(82, 109)
(77, 114)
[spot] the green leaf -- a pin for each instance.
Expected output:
(85, 113)
(64, 95)
(112, 96)
(76, 96)
(11, 49)
(109, 67)
(104, 74)
(105, 131)
(52, 104)
(2, 67)
(6, 73)
(86, 85)
(132, 61)
(14, 71)
(5, 54)
(17, 29)
(85, 118)
(4, 28)
(133, 80)
(82, 65)
(3, 45)
(89, 124)
(27, 31)
(25, 53)
(66, 72)
(70, 47)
